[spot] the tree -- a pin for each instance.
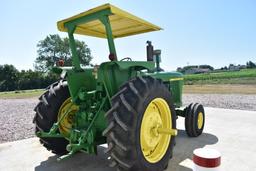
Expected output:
(53, 48)
(250, 64)
(34, 79)
(8, 77)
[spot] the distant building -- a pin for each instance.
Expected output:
(233, 67)
(197, 70)
(242, 66)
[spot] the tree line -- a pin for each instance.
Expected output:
(11, 79)
(50, 50)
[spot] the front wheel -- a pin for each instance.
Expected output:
(194, 119)
(141, 111)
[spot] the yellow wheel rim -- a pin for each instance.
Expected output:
(153, 144)
(200, 120)
(67, 121)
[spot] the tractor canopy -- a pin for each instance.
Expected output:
(122, 23)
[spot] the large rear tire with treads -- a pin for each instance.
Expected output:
(47, 113)
(141, 103)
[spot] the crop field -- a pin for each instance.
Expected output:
(245, 76)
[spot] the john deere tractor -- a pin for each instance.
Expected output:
(130, 105)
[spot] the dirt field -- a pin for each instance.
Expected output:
(220, 89)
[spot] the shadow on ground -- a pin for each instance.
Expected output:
(182, 151)
(78, 162)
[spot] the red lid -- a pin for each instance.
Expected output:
(207, 157)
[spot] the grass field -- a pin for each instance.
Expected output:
(21, 94)
(245, 76)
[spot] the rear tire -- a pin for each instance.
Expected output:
(125, 120)
(47, 113)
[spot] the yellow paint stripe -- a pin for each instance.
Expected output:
(176, 79)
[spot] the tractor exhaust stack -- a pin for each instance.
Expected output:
(150, 51)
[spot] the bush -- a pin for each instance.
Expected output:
(8, 77)
(11, 79)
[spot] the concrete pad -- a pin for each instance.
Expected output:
(229, 131)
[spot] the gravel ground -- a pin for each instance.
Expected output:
(227, 101)
(16, 115)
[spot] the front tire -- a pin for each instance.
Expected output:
(129, 123)
(194, 119)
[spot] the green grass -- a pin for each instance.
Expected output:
(245, 76)
(21, 94)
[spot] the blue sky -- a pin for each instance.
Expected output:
(215, 32)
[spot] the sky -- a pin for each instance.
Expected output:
(195, 32)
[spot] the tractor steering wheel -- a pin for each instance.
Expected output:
(126, 59)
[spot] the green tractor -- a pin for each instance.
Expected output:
(130, 105)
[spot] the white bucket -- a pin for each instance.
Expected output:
(206, 159)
